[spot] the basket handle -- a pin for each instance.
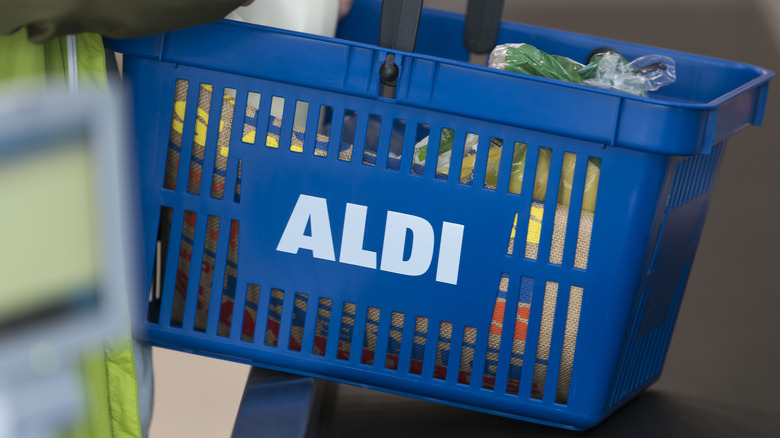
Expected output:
(401, 18)
(399, 22)
(483, 19)
(398, 31)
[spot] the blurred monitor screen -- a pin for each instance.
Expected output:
(49, 233)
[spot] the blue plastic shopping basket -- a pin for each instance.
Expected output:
(288, 225)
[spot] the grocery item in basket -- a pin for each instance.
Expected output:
(606, 70)
(647, 73)
(559, 233)
(525, 58)
(518, 167)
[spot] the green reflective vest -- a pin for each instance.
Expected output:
(111, 387)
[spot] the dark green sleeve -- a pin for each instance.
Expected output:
(47, 19)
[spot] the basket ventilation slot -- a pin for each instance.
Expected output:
(158, 265)
(183, 267)
(199, 139)
(372, 140)
(237, 193)
(493, 163)
(394, 341)
(569, 344)
(518, 168)
(537, 207)
(443, 351)
(418, 163)
(298, 320)
(469, 158)
(299, 126)
(323, 131)
(592, 177)
(562, 213)
(396, 144)
(494, 334)
(443, 160)
(418, 345)
(545, 337)
(249, 131)
(175, 136)
(348, 125)
(229, 283)
(275, 122)
(322, 326)
(275, 304)
(643, 357)
(250, 312)
(520, 334)
(223, 143)
(693, 177)
(369, 341)
(347, 328)
(207, 272)
(467, 355)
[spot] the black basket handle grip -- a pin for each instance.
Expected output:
(397, 31)
(483, 18)
(401, 18)
(399, 23)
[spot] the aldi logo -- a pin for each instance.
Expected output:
(312, 212)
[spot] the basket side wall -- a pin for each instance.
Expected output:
(676, 237)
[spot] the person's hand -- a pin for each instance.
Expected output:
(344, 7)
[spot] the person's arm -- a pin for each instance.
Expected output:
(47, 19)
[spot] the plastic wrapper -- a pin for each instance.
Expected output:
(647, 73)
(606, 70)
(518, 168)
(525, 58)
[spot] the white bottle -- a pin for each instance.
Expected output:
(318, 17)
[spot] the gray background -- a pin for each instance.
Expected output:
(721, 373)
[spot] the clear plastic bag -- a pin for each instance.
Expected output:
(607, 70)
(646, 73)
(525, 58)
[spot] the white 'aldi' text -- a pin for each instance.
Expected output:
(312, 211)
